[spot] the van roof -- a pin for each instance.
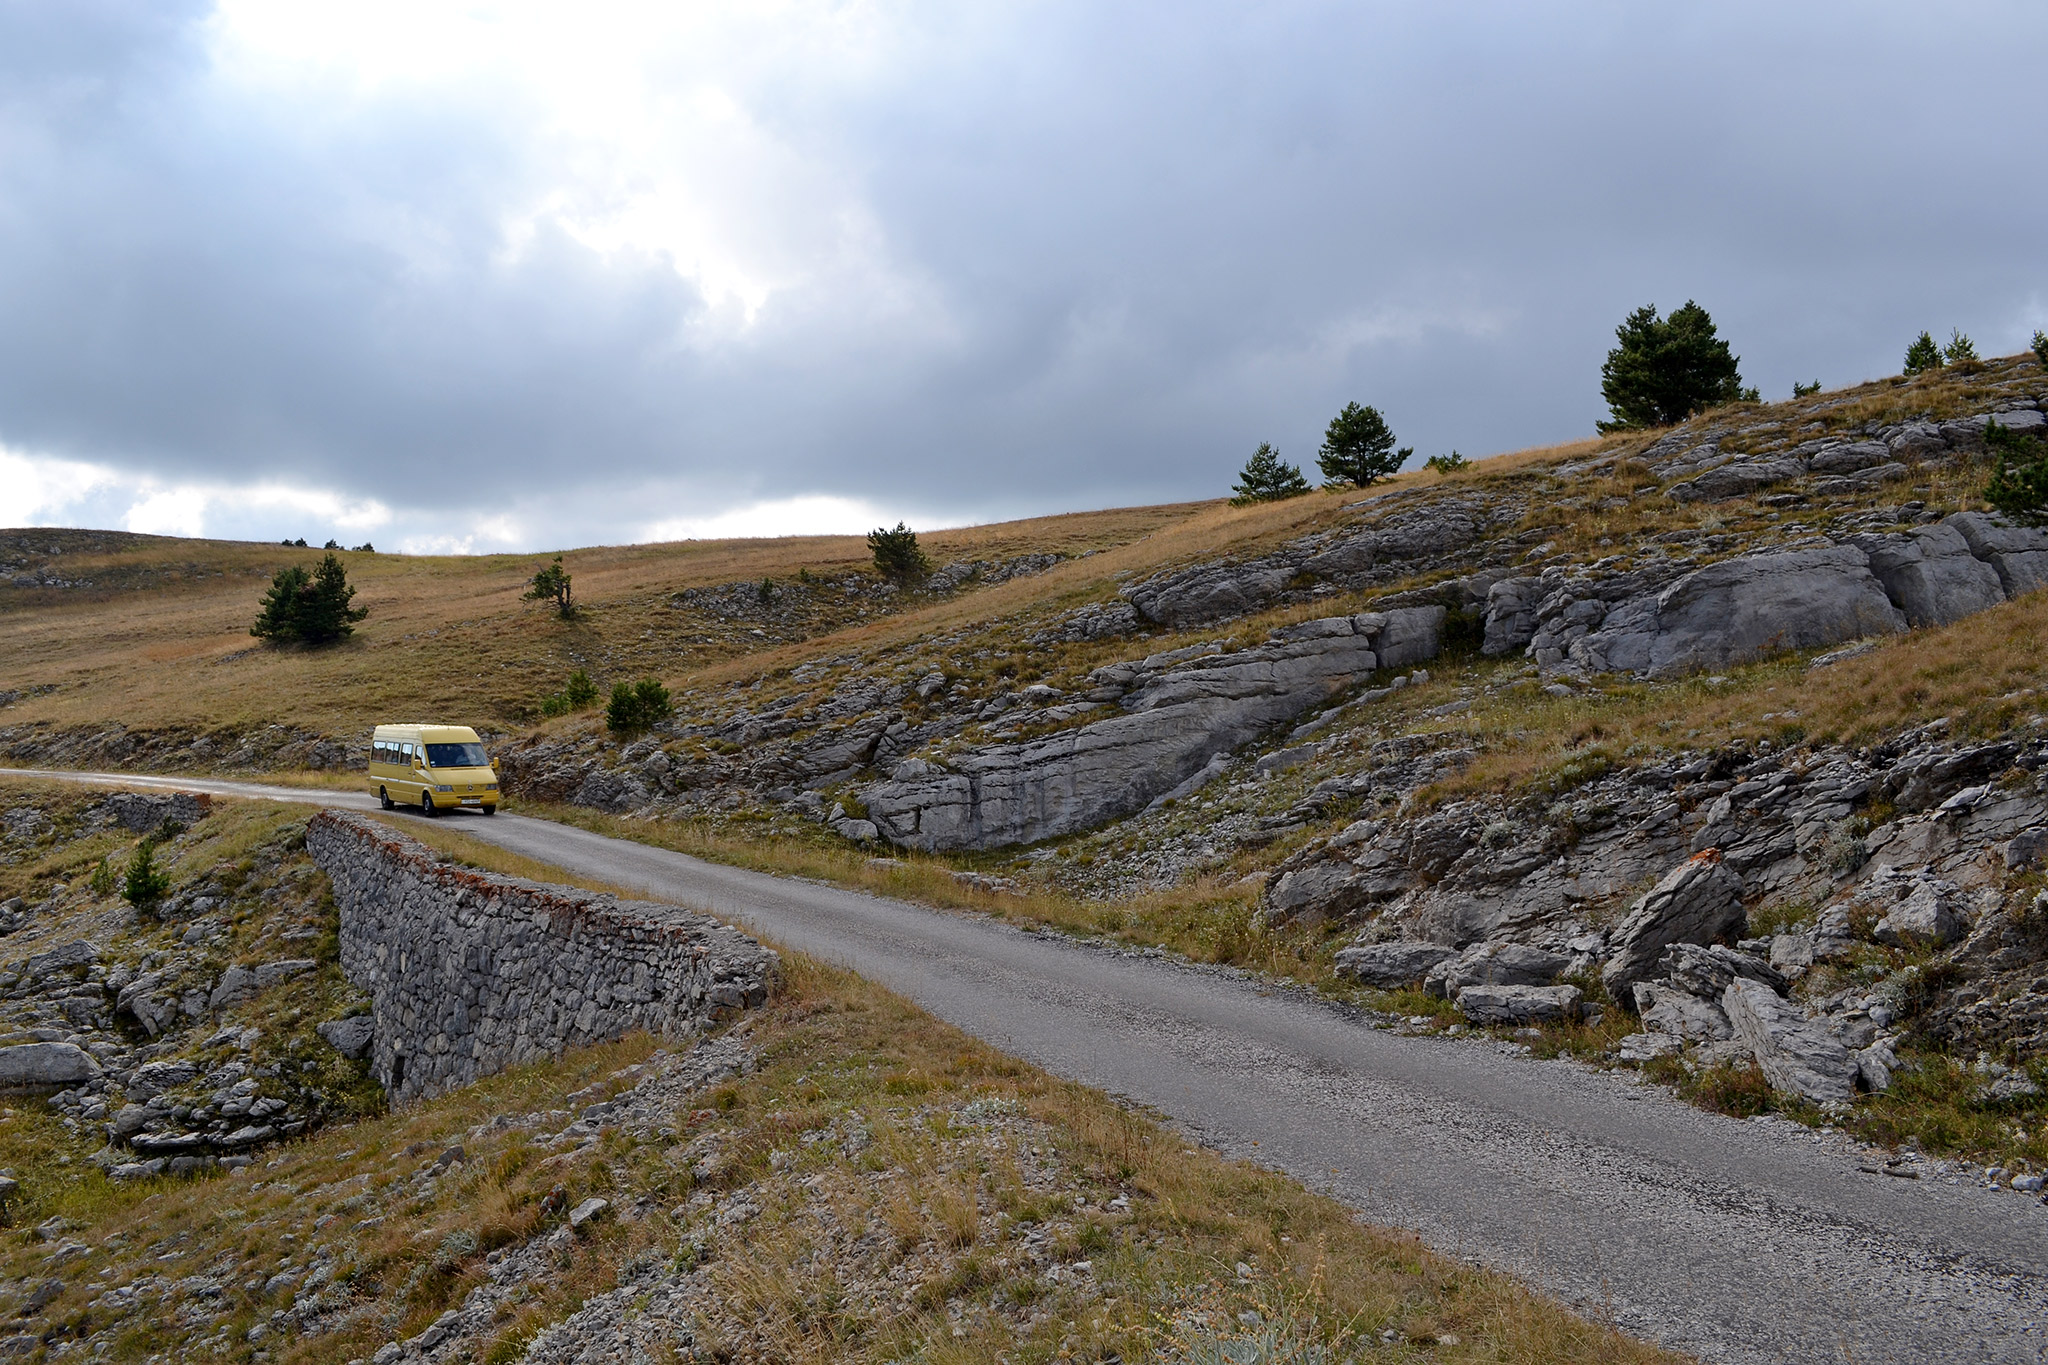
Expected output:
(428, 733)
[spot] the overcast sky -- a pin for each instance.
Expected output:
(473, 276)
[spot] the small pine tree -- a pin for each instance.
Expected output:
(1447, 464)
(1358, 449)
(1923, 355)
(145, 883)
(1800, 390)
(278, 618)
(637, 706)
(2040, 345)
(899, 559)
(1265, 479)
(1960, 349)
(308, 607)
(324, 611)
(551, 584)
(1666, 369)
(2018, 485)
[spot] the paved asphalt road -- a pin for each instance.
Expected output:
(1738, 1241)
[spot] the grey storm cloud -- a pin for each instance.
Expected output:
(1117, 246)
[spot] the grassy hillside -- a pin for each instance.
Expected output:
(152, 631)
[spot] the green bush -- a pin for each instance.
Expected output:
(2018, 485)
(2040, 346)
(551, 584)
(1800, 390)
(1663, 370)
(1923, 355)
(578, 694)
(145, 883)
(899, 559)
(637, 706)
(1960, 349)
(308, 607)
(1358, 448)
(1447, 464)
(1265, 479)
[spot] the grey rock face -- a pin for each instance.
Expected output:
(1499, 1005)
(1511, 614)
(1179, 714)
(2019, 554)
(1389, 966)
(1699, 901)
(1209, 592)
(1495, 964)
(1740, 610)
(45, 1066)
(1736, 480)
(1680, 1014)
(1707, 972)
(469, 972)
(351, 1037)
(1797, 1054)
(1925, 918)
(145, 811)
(1931, 574)
(239, 984)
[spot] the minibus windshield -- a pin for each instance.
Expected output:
(457, 756)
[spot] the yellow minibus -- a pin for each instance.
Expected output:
(433, 767)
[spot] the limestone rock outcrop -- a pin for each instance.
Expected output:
(1180, 710)
(1796, 1054)
(1517, 1005)
(1699, 901)
(1389, 966)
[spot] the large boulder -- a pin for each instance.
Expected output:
(1389, 966)
(1667, 1009)
(45, 1066)
(1495, 964)
(1927, 917)
(351, 1037)
(1506, 1005)
(1699, 901)
(1797, 1054)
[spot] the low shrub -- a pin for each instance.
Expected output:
(635, 707)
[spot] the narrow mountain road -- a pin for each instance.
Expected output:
(1738, 1241)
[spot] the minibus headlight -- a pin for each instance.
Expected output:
(444, 789)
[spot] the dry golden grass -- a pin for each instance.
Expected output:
(162, 640)
(1984, 673)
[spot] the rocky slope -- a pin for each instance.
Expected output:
(1824, 909)
(191, 1038)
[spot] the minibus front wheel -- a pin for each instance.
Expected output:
(427, 804)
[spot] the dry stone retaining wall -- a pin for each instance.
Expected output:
(469, 973)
